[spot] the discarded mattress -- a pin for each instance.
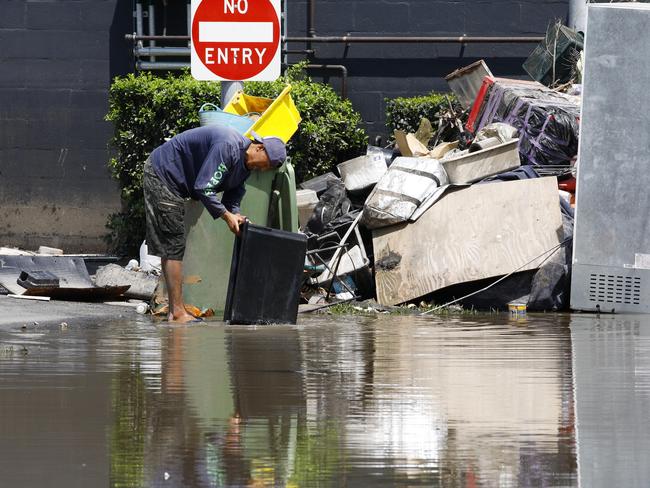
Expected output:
(74, 280)
(406, 185)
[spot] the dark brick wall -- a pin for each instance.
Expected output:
(56, 62)
(379, 71)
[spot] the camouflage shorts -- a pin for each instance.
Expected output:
(165, 212)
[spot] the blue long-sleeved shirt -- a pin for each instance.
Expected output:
(199, 163)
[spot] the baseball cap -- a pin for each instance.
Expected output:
(274, 147)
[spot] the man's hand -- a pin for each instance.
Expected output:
(233, 221)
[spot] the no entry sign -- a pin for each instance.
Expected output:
(236, 40)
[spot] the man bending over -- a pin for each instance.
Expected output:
(198, 164)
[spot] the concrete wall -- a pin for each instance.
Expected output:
(57, 59)
(56, 62)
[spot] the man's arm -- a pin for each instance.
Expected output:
(232, 198)
(216, 166)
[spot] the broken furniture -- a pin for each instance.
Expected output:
(472, 233)
(341, 259)
(475, 166)
(483, 94)
(466, 82)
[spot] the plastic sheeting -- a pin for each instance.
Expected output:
(332, 204)
(547, 122)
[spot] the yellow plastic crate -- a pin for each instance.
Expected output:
(279, 118)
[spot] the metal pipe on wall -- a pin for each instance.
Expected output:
(417, 39)
(152, 28)
(161, 65)
(162, 51)
(132, 37)
(189, 22)
(285, 30)
(311, 19)
(138, 21)
(378, 39)
(313, 37)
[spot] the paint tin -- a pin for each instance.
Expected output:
(517, 309)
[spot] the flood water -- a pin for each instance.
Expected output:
(555, 400)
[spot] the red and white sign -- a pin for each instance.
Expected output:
(236, 40)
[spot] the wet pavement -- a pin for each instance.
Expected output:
(476, 401)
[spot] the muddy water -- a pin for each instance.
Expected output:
(340, 402)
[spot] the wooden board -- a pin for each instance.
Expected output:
(472, 233)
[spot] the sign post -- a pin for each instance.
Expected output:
(236, 40)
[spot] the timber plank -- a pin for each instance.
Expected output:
(472, 233)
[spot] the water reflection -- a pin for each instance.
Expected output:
(389, 401)
(612, 380)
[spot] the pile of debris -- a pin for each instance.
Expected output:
(50, 274)
(417, 220)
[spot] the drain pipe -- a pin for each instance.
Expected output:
(152, 28)
(418, 39)
(376, 39)
(161, 65)
(311, 21)
(578, 15)
(138, 22)
(189, 24)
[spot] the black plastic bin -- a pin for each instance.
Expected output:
(265, 276)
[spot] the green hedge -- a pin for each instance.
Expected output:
(330, 131)
(405, 113)
(146, 109)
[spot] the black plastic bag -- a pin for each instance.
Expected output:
(332, 204)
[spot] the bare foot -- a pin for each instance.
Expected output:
(181, 318)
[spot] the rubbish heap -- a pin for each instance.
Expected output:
(486, 220)
(50, 274)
